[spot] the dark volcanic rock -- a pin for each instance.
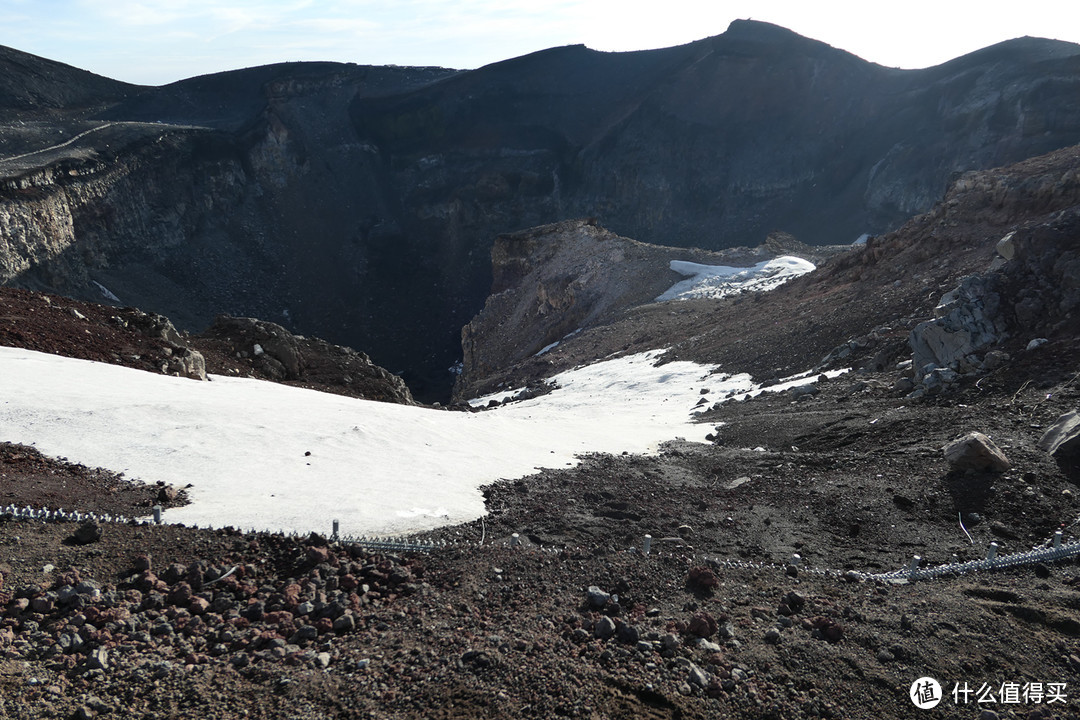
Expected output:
(554, 281)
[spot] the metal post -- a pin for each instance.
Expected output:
(337, 527)
(647, 545)
(157, 514)
(991, 553)
(515, 540)
(1057, 540)
(913, 567)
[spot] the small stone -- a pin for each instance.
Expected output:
(644, 646)
(88, 532)
(42, 604)
(318, 555)
(580, 635)
(702, 625)
(804, 391)
(988, 715)
(98, 659)
(697, 676)
(795, 600)
(708, 646)
(628, 634)
(180, 595)
(322, 660)
(669, 641)
(481, 658)
(1041, 571)
(884, 656)
(345, 624)
(604, 628)
(597, 598)
(772, 636)
(305, 633)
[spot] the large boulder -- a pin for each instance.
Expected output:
(274, 349)
(968, 322)
(187, 362)
(975, 451)
(1062, 439)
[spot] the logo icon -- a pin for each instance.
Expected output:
(925, 693)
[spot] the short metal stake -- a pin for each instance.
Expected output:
(647, 545)
(991, 553)
(157, 514)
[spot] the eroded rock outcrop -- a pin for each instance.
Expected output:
(552, 282)
(969, 322)
(274, 353)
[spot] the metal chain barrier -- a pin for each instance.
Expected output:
(1050, 551)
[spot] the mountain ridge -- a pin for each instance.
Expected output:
(380, 190)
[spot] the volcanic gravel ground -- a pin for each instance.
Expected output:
(852, 478)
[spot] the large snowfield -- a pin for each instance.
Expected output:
(379, 468)
(258, 455)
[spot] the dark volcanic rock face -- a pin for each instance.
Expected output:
(557, 281)
(359, 204)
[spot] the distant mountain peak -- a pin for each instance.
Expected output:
(760, 30)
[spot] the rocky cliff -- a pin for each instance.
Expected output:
(360, 204)
(247, 194)
(554, 282)
(954, 291)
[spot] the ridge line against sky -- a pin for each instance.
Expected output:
(154, 42)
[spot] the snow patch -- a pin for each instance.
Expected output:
(267, 456)
(105, 292)
(717, 281)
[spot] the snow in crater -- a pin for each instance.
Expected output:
(717, 281)
(379, 468)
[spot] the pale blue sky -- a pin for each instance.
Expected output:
(159, 41)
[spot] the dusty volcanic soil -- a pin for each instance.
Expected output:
(30, 479)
